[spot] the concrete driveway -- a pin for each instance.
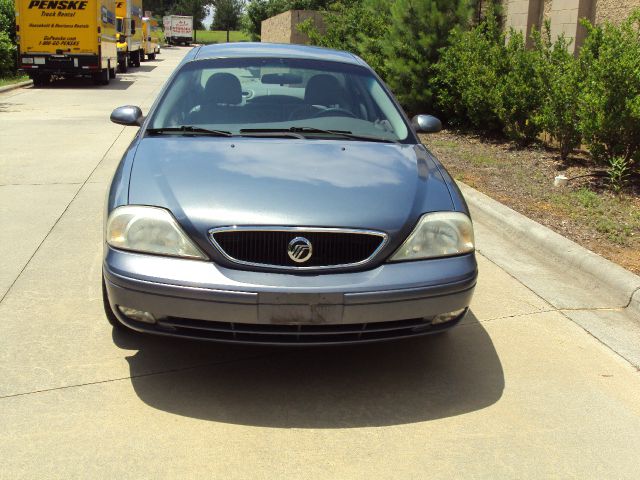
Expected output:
(517, 391)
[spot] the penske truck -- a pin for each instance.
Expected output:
(66, 38)
(178, 29)
(129, 27)
(151, 37)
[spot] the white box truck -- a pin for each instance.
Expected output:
(178, 29)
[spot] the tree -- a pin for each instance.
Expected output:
(418, 30)
(357, 26)
(7, 38)
(227, 15)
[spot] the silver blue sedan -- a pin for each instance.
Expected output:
(278, 194)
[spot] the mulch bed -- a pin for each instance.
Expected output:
(586, 211)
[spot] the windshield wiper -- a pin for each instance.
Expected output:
(303, 130)
(191, 129)
(270, 132)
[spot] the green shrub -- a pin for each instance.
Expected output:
(609, 104)
(8, 19)
(7, 56)
(560, 76)
(619, 172)
(467, 75)
(520, 91)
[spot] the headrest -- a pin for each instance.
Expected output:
(325, 90)
(223, 88)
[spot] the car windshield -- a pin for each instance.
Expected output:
(267, 96)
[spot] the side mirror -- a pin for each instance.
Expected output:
(129, 115)
(426, 124)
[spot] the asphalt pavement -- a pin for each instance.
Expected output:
(519, 390)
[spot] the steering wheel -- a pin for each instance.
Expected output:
(334, 110)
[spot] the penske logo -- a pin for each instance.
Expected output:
(58, 4)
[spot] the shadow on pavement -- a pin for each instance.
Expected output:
(339, 387)
(118, 83)
(145, 68)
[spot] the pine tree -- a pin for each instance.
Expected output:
(418, 30)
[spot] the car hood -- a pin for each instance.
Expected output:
(212, 182)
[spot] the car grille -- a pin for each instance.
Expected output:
(268, 247)
(296, 334)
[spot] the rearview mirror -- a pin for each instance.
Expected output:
(129, 115)
(281, 78)
(426, 124)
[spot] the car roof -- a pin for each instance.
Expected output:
(274, 50)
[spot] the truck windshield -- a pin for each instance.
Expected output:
(237, 95)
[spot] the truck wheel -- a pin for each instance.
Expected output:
(123, 65)
(38, 80)
(112, 72)
(102, 77)
(152, 56)
(135, 59)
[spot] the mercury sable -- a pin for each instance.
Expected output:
(278, 194)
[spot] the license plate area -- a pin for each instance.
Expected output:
(300, 308)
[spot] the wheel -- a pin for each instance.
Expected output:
(111, 317)
(124, 64)
(38, 80)
(138, 58)
(152, 56)
(102, 77)
(112, 72)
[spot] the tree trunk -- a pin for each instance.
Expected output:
(227, 35)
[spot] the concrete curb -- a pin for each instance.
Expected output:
(568, 253)
(8, 88)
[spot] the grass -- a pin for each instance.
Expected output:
(209, 36)
(586, 210)
(608, 214)
(11, 80)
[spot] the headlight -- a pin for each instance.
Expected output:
(439, 234)
(149, 230)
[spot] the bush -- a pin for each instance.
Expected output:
(7, 56)
(520, 91)
(609, 104)
(467, 75)
(558, 70)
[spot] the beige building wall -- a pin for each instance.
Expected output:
(523, 15)
(565, 20)
(283, 28)
(564, 15)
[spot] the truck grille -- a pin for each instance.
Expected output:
(331, 248)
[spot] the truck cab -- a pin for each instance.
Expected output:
(150, 37)
(130, 39)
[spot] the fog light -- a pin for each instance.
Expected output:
(447, 317)
(139, 315)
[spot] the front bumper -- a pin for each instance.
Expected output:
(198, 299)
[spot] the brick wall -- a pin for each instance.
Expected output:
(283, 28)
